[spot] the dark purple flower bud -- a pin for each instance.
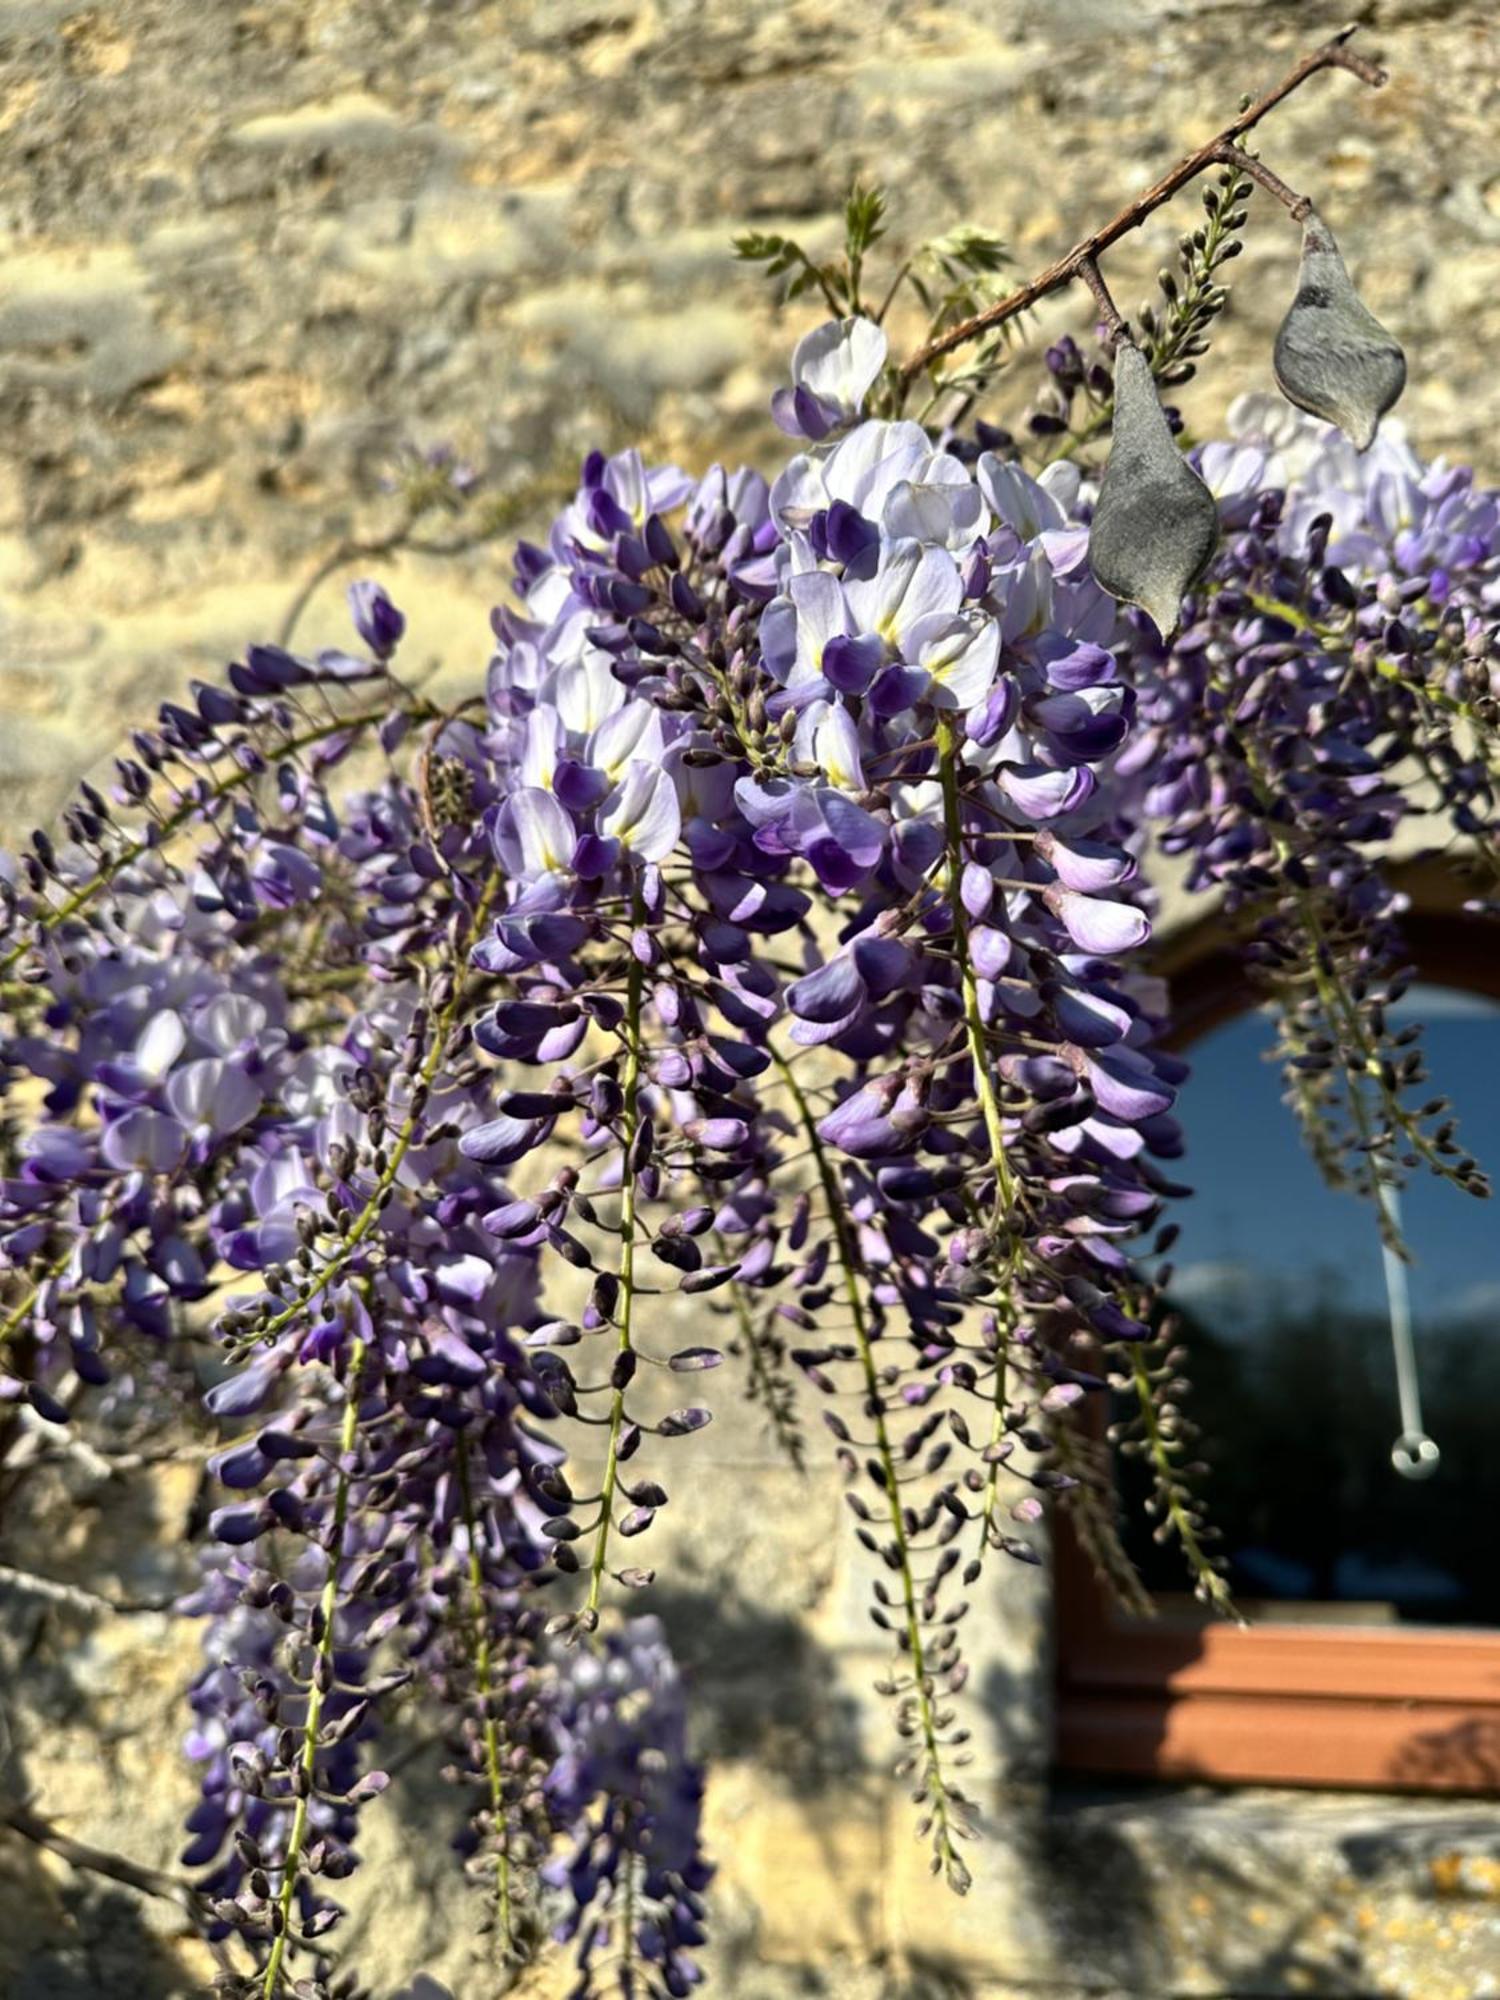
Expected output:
(986, 724)
(719, 1135)
(831, 993)
(500, 1141)
(847, 534)
(377, 619)
(659, 543)
(679, 1423)
(897, 688)
(685, 600)
(243, 1466)
(237, 1525)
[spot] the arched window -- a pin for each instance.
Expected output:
(1373, 1657)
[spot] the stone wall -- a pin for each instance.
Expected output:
(252, 247)
(255, 247)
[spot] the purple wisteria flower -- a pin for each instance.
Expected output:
(834, 369)
(747, 985)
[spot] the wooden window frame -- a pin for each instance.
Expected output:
(1182, 1696)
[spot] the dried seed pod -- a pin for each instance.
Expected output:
(1332, 356)
(1156, 524)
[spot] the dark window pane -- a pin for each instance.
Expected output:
(1281, 1290)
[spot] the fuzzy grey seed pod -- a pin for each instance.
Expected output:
(1156, 524)
(1332, 356)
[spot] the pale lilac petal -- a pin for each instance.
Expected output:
(462, 1279)
(947, 515)
(977, 889)
(1066, 549)
(799, 490)
(840, 361)
(644, 817)
(875, 457)
(1026, 589)
(1021, 503)
(1096, 924)
(213, 1095)
(534, 835)
(632, 734)
(962, 663)
(937, 586)
(542, 744)
(145, 1140)
(836, 750)
(1126, 1087)
(821, 615)
(587, 692)
(778, 638)
(161, 1042)
(230, 1021)
(1043, 793)
(1086, 865)
(989, 951)
(875, 601)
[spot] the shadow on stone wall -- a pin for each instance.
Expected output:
(762, 1688)
(97, 1944)
(1153, 1890)
(66, 1934)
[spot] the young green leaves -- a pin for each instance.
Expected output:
(1332, 356)
(1156, 524)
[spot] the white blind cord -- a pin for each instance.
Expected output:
(1414, 1454)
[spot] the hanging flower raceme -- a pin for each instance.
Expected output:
(752, 971)
(1337, 687)
(865, 715)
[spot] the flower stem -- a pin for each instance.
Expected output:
(194, 808)
(16, 1318)
(1090, 1505)
(627, 1941)
(630, 1119)
(984, 1086)
(327, 1608)
(1342, 1015)
(974, 1027)
(766, 1386)
(850, 1262)
(369, 1215)
(484, 1682)
(1210, 1584)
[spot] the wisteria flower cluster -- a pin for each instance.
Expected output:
(756, 967)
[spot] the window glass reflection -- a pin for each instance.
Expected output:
(1281, 1293)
